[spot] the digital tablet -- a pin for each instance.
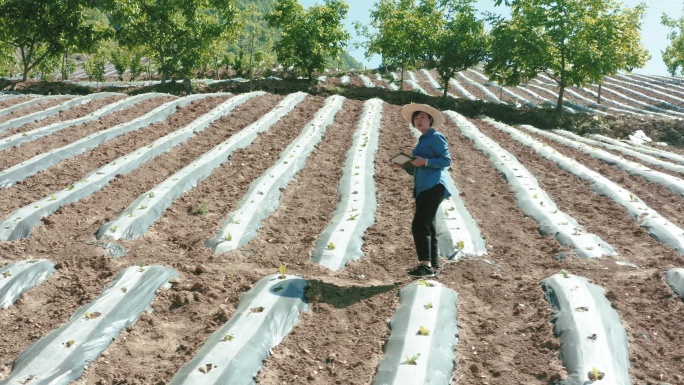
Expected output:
(402, 158)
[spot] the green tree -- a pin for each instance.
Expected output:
(399, 29)
(175, 32)
(309, 36)
(563, 39)
(43, 29)
(456, 38)
(673, 56)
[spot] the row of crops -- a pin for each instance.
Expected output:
(269, 236)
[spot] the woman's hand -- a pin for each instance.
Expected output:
(419, 162)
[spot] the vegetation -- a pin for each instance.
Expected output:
(309, 36)
(673, 56)
(574, 42)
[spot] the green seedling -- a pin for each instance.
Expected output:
(228, 237)
(6, 274)
(535, 196)
(142, 266)
(131, 215)
(85, 180)
(331, 246)
(235, 222)
(124, 290)
(70, 187)
(595, 374)
(201, 209)
(582, 309)
(589, 248)
(428, 306)
(92, 315)
(24, 134)
(592, 337)
(257, 309)
(412, 360)
(142, 207)
(52, 197)
(69, 343)
(206, 368)
(27, 379)
(356, 173)
(460, 245)
(565, 273)
(113, 228)
(423, 332)
(423, 282)
(151, 195)
(352, 217)
(36, 206)
(632, 198)
(228, 338)
(281, 269)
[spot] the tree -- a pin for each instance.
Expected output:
(309, 36)
(43, 29)
(176, 32)
(614, 42)
(673, 56)
(565, 40)
(399, 29)
(456, 40)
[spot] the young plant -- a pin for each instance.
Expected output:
(228, 237)
(142, 266)
(595, 374)
(201, 209)
(422, 282)
(428, 306)
(565, 273)
(70, 187)
(282, 272)
(352, 217)
(423, 332)
(460, 245)
(331, 246)
(69, 343)
(257, 309)
(6, 274)
(228, 337)
(52, 197)
(412, 360)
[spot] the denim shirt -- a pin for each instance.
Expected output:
(432, 146)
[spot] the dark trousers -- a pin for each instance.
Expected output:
(423, 225)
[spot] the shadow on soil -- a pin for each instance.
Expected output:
(339, 297)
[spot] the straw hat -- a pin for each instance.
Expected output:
(408, 110)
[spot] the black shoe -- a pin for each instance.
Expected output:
(422, 271)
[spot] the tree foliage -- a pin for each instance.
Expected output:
(309, 36)
(455, 38)
(673, 56)
(175, 32)
(44, 29)
(398, 32)
(574, 42)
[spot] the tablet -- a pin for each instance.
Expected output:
(402, 158)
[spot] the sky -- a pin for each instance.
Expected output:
(654, 35)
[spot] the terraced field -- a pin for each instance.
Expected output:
(104, 201)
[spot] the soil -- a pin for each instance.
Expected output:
(505, 329)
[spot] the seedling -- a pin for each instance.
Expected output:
(124, 290)
(228, 338)
(352, 217)
(201, 210)
(113, 228)
(6, 274)
(151, 195)
(142, 207)
(428, 306)
(235, 222)
(70, 187)
(52, 197)
(206, 368)
(69, 343)
(460, 245)
(257, 309)
(582, 309)
(423, 332)
(412, 360)
(632, 198)
(142, 266)
(92, 315)
(331, 246)
(281, 269)
(131, 215)
(535, 196)
(228, 237)
(27, 379)
(423, 282)
(589, 248)
(595, 374)
(565, 273)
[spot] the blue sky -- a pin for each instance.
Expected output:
(654, 35)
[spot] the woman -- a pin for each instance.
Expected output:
(429, 170)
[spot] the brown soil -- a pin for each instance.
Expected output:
(506, 334)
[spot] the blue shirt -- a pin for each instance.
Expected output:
(432, 146)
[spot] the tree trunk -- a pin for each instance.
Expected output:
(559, 105)
(598, 100)
(401, 85)
(446, 87)
(188, 85)
(251, 56)
(163, 74)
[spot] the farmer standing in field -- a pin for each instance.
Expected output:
(429, 165)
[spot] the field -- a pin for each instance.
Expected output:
(505, 328)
